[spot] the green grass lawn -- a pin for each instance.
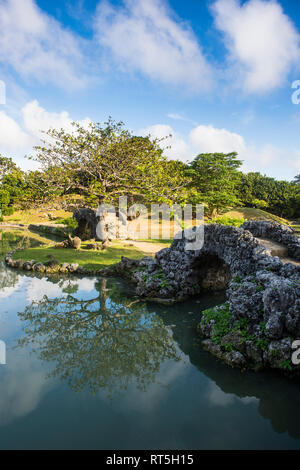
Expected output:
(88, 259)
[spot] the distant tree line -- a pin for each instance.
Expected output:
(102, 162)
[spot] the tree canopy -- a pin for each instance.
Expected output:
(105, 162)
(213, 180)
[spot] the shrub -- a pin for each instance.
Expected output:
(225, 220)
(70, 222)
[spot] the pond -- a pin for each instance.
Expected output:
(89, 366)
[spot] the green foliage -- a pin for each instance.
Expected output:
(259, 204)
(225, 220)
(221, 318)
(12, 184)
(279, 197)
(263, 326)
(105, 162)
(241, 324)
(213, 180)
(70, 222)
(286, 365)
(262, 344)
(161, 276)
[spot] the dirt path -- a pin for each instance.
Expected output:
(276, 249)
(146, 247)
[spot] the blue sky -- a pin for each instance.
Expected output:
(216, 74)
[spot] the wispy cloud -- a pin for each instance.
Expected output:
(179, 117)
(37, 119)
(37, 47)
(145, 36)
(19, 134)
(262, 41)
(209, 139)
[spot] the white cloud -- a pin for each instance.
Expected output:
(176, 116)
(37, 119)
(295, 162)
(263, 42)
(179, 149)
(208, 139)
(23, 386)
(36, 289)
(12, 137)
(151, 400)
(217, 397)
(37, 46)
(20, 137)
(86, 284)
(145, 36)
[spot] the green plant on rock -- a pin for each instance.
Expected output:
(241, 324)
(261, 312)
(286, 365)
(237, 279)
(228, 347)
(262, 344)
(221, 318)
(160, 275)
(263, 326)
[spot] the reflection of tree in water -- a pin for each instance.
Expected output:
(8, 278)
(99, 342)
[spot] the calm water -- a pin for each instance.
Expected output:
(89, 366)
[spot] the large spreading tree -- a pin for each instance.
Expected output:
(105, 162)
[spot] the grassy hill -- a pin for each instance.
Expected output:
(254, 214)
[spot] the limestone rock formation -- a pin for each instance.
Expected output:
(100, 224)
(258, 324)
(70, 243)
